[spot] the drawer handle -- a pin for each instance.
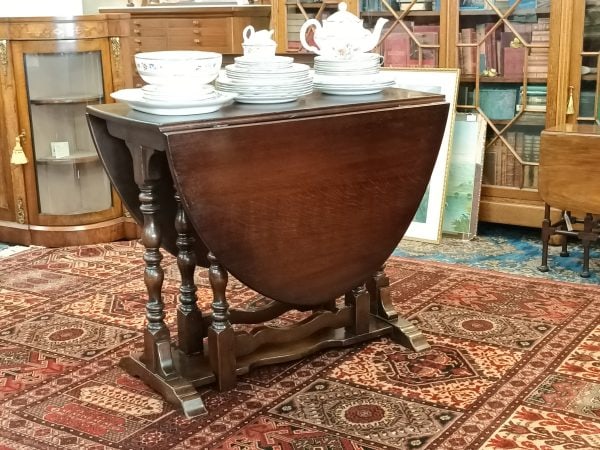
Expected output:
(196, 31)
(137, 41)
(136, 31)
(139, 49)
(196, 41)
(195, 22)
(136, 22)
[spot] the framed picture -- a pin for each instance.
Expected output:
(463, 188)
(427, 223)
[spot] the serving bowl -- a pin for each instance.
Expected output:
(178, 67)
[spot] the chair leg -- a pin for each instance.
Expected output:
(547, 231)
(564, 253)
(588, 225)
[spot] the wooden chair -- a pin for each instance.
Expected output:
(569, 180)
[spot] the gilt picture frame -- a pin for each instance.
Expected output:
(427, 223)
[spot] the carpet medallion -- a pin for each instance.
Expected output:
(514, 363)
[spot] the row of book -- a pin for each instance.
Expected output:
(502, 102)
(429, 5)
(502, 168)
(500, 49)
(396, 5)
(500, 4)
(400, 50)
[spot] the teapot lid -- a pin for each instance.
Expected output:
(342, 15)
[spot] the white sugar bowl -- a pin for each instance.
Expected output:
(258, 44)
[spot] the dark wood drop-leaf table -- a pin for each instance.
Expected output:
(303, 202)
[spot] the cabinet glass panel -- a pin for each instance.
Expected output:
(70, 177)
(503, 55)
(590, 63)
(411, 38)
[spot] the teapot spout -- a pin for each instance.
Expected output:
(373, 39)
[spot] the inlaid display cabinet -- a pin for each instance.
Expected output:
(54, 192)
(525, 65)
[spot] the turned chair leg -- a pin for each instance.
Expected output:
(547, 231)
(588, 225)
(564, 252)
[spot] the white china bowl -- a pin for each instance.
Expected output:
(178, 67)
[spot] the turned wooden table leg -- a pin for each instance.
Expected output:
(189, 317)
(221, 337)
(157, 341)
(403, 331)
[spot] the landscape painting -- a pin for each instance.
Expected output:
(463, 187)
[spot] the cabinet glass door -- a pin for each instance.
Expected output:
(411, 37)
(590, 63)
(70, 177)
(503, 52)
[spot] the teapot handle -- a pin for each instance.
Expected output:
(248, 33)
(303, 31)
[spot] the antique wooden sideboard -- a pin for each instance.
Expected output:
(302, 202)
(191, 27)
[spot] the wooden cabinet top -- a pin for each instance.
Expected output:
(161, 11)
(68, 27)
(580, 129)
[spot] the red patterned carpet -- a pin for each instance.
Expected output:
(514, 364)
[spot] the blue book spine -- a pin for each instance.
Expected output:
(525, 4)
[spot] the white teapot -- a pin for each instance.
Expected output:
(258, 44)
(341, 35)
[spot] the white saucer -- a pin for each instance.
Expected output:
(135, 99)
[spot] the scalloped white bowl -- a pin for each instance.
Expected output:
(178, 67)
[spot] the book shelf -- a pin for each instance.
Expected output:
(521, 68)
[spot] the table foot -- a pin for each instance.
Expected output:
(176, 390)
(403, 331)
(407, 334)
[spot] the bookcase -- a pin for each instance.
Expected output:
(525, 65)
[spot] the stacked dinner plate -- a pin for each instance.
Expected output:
(178, 83)
(170, 100)
(358, 75)
(276, 79)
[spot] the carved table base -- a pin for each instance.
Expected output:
(325, 328)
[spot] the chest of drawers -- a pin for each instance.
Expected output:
(210, 28)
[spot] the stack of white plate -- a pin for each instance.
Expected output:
(178, 83)
(175, 93)
(201, 102)
(271, 80)
(174, 99)
(359, 75)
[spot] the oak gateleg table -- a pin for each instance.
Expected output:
(303, 202)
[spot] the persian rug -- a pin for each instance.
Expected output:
(510, 249)
(514, 363)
